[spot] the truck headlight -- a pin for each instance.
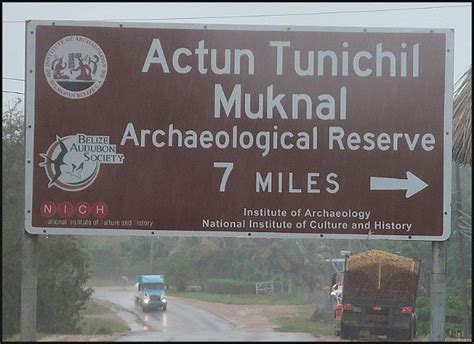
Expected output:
(146, 300)
(163, 300)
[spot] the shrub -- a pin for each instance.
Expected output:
(322, 315)
(454, 315)
(194, 288)
(103, 330)
(230, 286)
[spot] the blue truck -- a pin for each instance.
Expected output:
(150, 292)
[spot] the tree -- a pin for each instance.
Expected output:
(179, 265)
(63, 269)
(12, 205)
(62, 273)
(462, 154)
(462, 119)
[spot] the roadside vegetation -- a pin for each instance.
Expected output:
(311, 319)
(63, 262)
(97, 318)
(242, 299)
(17, 337)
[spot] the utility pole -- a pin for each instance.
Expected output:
(29, 282)
(438, 291)
(462, 265)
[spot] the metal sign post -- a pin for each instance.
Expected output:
(29, 281)
(438, 291)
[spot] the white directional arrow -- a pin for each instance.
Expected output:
(412, 184)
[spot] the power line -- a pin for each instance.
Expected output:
(266, 15)
(16, 79)
(12, 92)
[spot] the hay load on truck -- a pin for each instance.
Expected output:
(150, 292)
(379, 295)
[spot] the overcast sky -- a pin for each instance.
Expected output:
(455, 15)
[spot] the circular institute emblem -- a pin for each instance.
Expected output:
(75, 67)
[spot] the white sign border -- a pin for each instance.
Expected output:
(30, 33)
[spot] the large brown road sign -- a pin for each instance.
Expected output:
(223, 130)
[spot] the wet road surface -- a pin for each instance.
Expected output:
(183, 322)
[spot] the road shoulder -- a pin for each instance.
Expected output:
(245, 317)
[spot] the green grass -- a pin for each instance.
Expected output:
(99, 319)
(301, 322)
(109, 325)
(105, 283)
(94, 308)
(241, 299)
(17, 337)
(96, 319)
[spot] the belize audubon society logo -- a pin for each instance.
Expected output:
(72, 162)
(75, 67)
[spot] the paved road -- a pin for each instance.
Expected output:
(183, 322)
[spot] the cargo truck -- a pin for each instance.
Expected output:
(150, 292)
(378, 295)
